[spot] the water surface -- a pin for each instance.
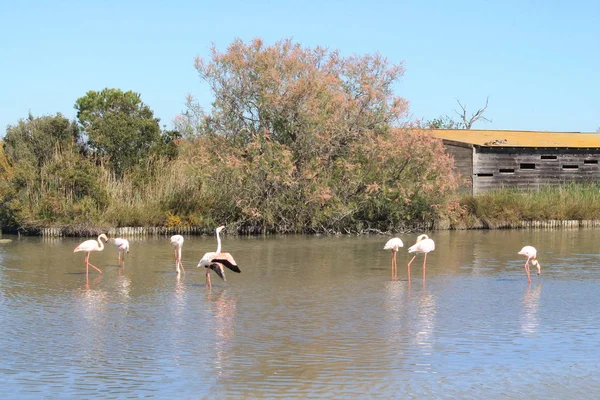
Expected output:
(315, 317)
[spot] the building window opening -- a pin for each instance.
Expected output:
(527, 166)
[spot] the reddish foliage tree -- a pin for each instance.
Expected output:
(314, 140)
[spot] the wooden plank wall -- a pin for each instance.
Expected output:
(463, 161)
(528, 168)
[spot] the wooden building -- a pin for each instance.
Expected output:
(525, 160)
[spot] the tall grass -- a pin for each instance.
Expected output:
(570, 201)
(174, 189)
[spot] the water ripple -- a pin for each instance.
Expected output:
(307, 318)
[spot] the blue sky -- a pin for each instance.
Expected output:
(536, 60)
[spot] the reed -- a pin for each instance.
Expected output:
(570, 201)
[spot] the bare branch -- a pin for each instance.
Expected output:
(478, 115)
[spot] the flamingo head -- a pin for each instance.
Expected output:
(103, 236)
(537, 264)
(422, 237)
(219, 229)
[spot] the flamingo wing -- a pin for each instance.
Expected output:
(177, 240)
(227, 260)
(218, 268)
(88, 245)
(122, 244)
(393, 244)
(424, 246)
(528, 251)
(428, 245)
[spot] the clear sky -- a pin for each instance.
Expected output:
(538, 61)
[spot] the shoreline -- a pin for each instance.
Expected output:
(194, 230)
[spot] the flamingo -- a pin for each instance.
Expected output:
(122, 246)
(89, 246)
(423, 245)
(177, 243)
(216, 260)
(531, 253)
(394, 244)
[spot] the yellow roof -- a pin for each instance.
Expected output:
(519, 138)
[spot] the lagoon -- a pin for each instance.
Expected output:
(309, 316)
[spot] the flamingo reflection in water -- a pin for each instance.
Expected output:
(223, 308)
(426, 319)
(531, 308)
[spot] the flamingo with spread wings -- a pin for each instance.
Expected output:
(217, 261)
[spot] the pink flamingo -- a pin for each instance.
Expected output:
(177, 243)
(216, 260)
(423, 245)
(89, 246)
(531, 253)
(394, 244)
(122, 246)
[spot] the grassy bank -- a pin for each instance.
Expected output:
(508, 207)
(566, 206)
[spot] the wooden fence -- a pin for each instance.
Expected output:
(152, 231)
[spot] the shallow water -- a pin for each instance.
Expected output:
(315, 317)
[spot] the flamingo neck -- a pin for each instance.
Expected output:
(100, 243)
(218, 243)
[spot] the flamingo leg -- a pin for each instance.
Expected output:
(527, 270)
(395, 265)
(97, 269)
(177, 262)
(424, 267)
(410, 262)
(87, 265)
(208, 282)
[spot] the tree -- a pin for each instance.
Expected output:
(468, 121)
(443, 122)
(47, 175)
(312, 100)
(120, 128)
(305, 140)
(35, 140)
